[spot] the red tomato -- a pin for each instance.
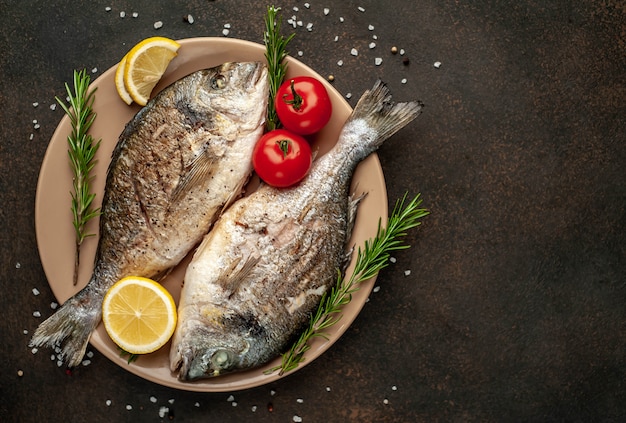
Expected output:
(281, 158)
(303, 105)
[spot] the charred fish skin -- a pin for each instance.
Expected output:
(259, 274)
(178, 163)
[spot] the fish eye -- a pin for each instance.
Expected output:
(222, 359)
(218, 82)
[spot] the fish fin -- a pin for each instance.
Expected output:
(233, 277)
(70, 327)
(353, 206)
(235, 194)
(383, 115)
(200, 168)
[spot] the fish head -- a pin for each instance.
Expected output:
(216, 346)
(238, 91)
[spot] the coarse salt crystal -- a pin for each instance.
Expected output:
(153, 399)
(375, 37)
(370, 27)
(326, 11)
(89, 354)
(129, 407)
(376, 289)
(307, 5)
(59, 363)
(135, 14)
(340, 63)
(225, 32)
(171, 400)
(25, 331)
(234, 403)
(296, 9)
(94, 70)
(349, 95)
(253, 408)
(35, 104)
(309, 26)
(36, 126)
(36, 314)
(53, 357)
(196, 404)
(328, 389)
(392, 259)
(53, 106)
(341, 19)
(300, 53)
(163, 411)
(437, 64)
(18, 265)
(407, 272)
(272, 392)
(54, 305)
(299, 400)
(361, 9)
(86, 362)
(354, 52)
(403, 81)
(30, 138)
(34, 350)
(35, 291)
(336, 38)
(158, 25)
(190, 19)
(372, 45)
(107, 9)
(297, 419)
(385, 401)
(122, 14)
(401, 52)
(230, 398)
(300, 23)
(227, 25)
(394, 388)
(108, 402)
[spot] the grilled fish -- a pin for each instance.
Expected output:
(178, 163)
(259, 274)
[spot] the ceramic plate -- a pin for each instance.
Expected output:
(53, 219)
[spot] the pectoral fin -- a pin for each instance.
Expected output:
(235, 275)
(201, 168)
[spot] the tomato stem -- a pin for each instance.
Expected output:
(296, 102)
(284, 146)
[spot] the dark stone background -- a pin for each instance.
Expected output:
(515, 307)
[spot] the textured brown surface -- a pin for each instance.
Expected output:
(515, 307)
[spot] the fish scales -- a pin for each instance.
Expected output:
(178, 163)
(259, 274)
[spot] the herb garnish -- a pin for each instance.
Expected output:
(369, 261)
(275, 53)
(82, 150)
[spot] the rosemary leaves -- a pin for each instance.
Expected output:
(81, 150)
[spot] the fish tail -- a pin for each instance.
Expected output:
(380, 113)
(70, 327)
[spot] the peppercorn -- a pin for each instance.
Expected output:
(406, 61)
(331, 78)
(394, 50)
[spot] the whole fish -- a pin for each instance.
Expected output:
(259, 274)
(178, 163)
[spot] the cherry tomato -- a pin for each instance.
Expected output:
(303, 105)
(281, 158)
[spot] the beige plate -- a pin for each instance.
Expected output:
(55, 236)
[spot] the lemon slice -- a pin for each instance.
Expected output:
(139, 315)
(145, 65)
(119, 82)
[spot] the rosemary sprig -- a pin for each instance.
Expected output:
(369, 261)
(81, 150)
(275, 53)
